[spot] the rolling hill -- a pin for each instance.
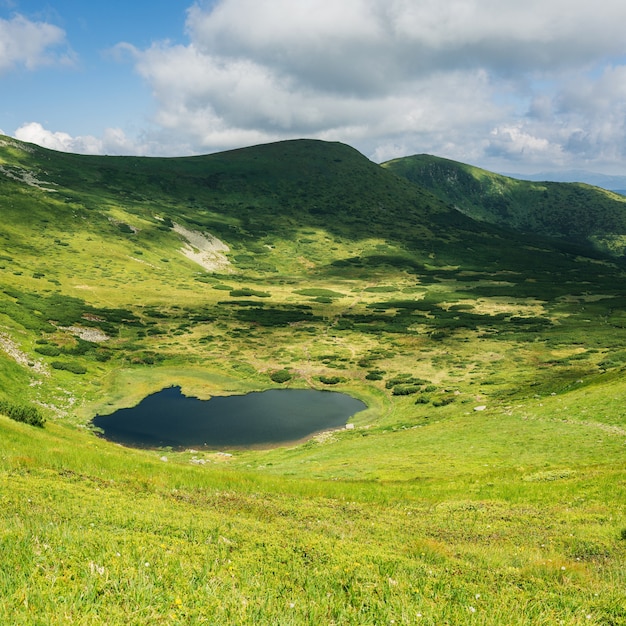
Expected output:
(484, 483)
(573, 211)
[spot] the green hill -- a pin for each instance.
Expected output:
(573, 211)
(484, 483)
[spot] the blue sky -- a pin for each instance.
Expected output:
(510, 86)
(92, 89)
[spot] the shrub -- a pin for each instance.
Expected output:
(374, 375)
(331, 380)
(81, 347)
(75, 368)
(320, 293)
(281, 376)
(246, 292)
(405, 390)
(22, 413)
(404, 379)
(48, 350)
(443, 401)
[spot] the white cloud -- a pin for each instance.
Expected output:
(113, 141)
(581, 124)
(517, 143)
(482, 81)
(465, 78)
(339, 45)
(31, 44)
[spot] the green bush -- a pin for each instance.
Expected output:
(405, 390)
(22, 413)
(48, 350)
(281, 376)
(404, 379)
(320, 293)
(444, 401)
(245, 292)
(331, 380)
(75, 368)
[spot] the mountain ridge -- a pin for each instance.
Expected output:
(610, 182)
(575, 212)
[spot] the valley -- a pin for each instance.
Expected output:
(484, 483)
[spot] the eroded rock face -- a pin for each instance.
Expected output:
(204, 249)
(27, 177)
(10, 347)
(87, 334)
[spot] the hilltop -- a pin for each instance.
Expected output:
(575, 212)
(485, 480)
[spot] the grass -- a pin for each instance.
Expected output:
(427, 511)
(86, 534)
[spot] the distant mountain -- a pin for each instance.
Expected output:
(612, 183)
(576, 212)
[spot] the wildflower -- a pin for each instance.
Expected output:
(472, 609)
(178, 602)
(477, 596)
(292, 605)
(146, 564)
(96, 569)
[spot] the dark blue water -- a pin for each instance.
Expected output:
(170, 419)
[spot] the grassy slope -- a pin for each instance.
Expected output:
(508, 515)
(574, 211)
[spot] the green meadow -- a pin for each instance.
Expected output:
(484, 484)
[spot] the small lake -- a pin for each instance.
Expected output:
(259, 419)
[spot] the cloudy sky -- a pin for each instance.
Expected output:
(512, 86)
